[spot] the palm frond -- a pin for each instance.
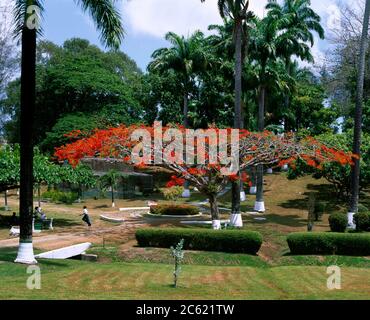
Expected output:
(107, 19)
(20, 14)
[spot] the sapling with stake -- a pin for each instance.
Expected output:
(178, 254)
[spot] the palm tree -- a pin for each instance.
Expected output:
(187, 57)
(110, 180)
(27, 17)
(237, 11)
(296, 24)
(355, 179)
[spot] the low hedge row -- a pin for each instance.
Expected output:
(329, 243)
(174, 210)
(234, 241)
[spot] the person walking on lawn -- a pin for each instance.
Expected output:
(86, 217)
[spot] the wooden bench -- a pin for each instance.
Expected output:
(46, 224)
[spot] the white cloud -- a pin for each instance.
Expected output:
(157, 17)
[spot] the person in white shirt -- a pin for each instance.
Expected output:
(86, 217)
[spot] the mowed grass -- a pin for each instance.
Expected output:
(72, 279)
(125, 271)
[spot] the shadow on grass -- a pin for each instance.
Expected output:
(8, 254)
(286, 220)
(63, 223)
(323, 193)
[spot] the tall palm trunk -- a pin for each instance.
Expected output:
(286, 96)
(28, 95)
(186, 193)
(355, 178)
(259, 206)
(235, 210)
(186, 110)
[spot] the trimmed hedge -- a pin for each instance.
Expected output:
(174, 210)
(234, 241)
(362, 221)
(351, 244)
(338, 222)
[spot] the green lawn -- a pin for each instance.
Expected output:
(250, 279)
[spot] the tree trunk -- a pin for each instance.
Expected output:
(186, 110)
(113, 204)
(259, 206)
(355, 177)
(6, 199)
(238, 76)
(215, 214)
(27, 110)
(186, 193)
(39, 195)
(235, 205)
(286, 96)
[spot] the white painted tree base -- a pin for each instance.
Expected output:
(236, 220)
(243, 197)
(25, 254)
(186, 193)
(351, 224)
(216, 224)
(259, 206)
(113, 205)
(253, 190)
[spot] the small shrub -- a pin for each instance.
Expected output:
(362, 208)
(362, 221)
(329, 243)
(234, 241)
(174, 210)
(338, 222)
(173, 193)
(59, 196)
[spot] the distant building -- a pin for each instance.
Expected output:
(132, 183)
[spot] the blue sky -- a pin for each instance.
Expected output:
(146, 22)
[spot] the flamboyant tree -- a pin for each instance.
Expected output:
(212, 160)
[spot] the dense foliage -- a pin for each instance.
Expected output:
(76, 78)
(335, 173)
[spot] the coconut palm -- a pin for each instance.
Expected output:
(27, 20)
(355, 180)
(187, 57)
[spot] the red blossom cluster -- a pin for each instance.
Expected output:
(175, 181)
